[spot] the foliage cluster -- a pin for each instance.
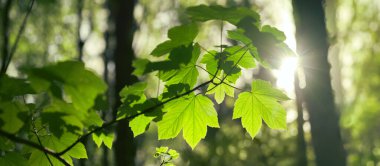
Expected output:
(52, 109)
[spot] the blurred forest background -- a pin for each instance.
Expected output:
(331, 121)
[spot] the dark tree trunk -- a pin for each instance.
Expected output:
(312, 46)
(301, 143)
(122, 13)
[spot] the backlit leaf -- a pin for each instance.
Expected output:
(192, 114)
(260, 103)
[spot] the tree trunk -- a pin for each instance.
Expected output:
(301, 143)
(312, 46)
(122, 13)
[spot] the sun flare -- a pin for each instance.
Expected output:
(285, 74)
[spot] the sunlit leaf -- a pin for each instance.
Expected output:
(103, 137)
(260, 103)
(216, 12)
(192, 114)
(179, 35)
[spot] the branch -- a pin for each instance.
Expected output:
(8, 58)
(58, 155)
(220, 79)
(33, 145)
(35, 131)
(39, 141)
(105, 125)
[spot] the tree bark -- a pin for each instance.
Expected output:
(122, 13)
(312, 46)
(301, 143)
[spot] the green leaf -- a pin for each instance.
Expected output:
(140, 66)
(141, 123)
(187, 72)
(13, 159)
(226, 64)
(179, 35)
(260, 103)
(268, 40)
(134, 102)
(62, 117)
(6, 144)
(11, 87)
(38, 158)
(58, 144)
(11, 116)
(103, 137)
(173, 153)
(238, 35)
(137, 90)
(240, 56)
(162, 149)
(279, 35)
(70, 79)
(216, 12)
(192, 114)
(220, 90)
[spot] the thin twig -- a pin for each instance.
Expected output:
(20, 31)
(204, 49)
(229, 72)
(39, 140)
(220, 79)
(241, 57)
(35, 131)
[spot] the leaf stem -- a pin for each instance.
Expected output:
(35, 131)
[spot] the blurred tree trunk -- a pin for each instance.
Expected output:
(312, 46)
(301, 143)
(122, 16)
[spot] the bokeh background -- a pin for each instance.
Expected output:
(98, 32)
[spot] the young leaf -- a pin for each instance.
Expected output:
(179, 35)
(221, 90)
(103, 137)
(192, 114)
(260, 103)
